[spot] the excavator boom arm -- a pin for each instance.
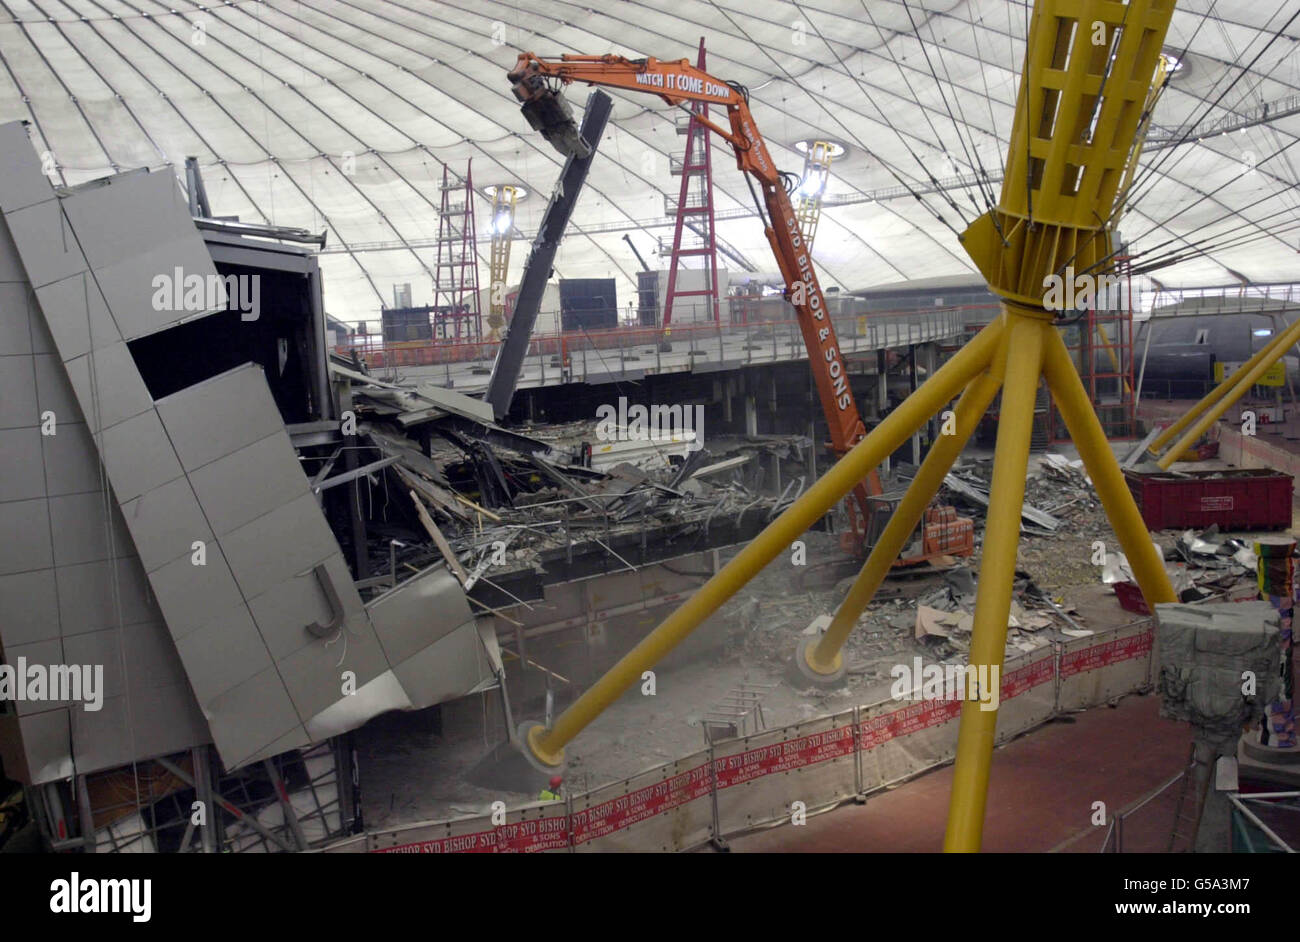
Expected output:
(536, 81)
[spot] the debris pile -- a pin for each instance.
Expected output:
(491, 501)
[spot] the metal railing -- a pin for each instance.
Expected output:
(574, 356)
(1146, 823)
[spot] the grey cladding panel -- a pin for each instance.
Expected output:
(103, 594)
(53, 391)
(22, 182)
(87, 528)
(447, 669)
(45, 243)
(250, 483)
(31, 607)
(314, 676)
(252, 716)
(22, 471)
(71, 460)
(121, 216)
(108, 386)
(138, 456)
(32, 518)
(418, 613)
(221, 415)
(280, 545)
(17, 390)
(165, 523)
(11, 266)
(283, 611)
(190, 596)
(77, 316)
(15, 319)
(131, 287)
(223, 654)
(45, 740)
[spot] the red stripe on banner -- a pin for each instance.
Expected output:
(479, 842)
(1108, 652)
(529, 837)
(1028, 677)
(618, 813)
(915, 717)
(785, 756)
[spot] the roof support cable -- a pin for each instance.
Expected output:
(976, 165)
(892, 172)
(1245, 70)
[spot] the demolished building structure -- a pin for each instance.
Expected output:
(264, 545)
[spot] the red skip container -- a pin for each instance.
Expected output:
(1239, 499)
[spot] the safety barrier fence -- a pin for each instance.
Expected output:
(742, 784)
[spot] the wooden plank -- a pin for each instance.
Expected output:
(441, 541)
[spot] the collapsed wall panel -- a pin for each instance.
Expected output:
(73, 590)
(204, 484)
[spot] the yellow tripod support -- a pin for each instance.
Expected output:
(1089, 69)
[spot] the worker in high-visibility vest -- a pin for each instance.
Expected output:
(552, 791)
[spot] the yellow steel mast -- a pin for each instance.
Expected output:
(1089, 69)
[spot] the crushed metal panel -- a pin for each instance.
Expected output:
(380, 695)
(274, 559)
(450, 667)
(419, 612)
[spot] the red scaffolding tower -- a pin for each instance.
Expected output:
(693, 234)
(1101, 345)
(456, 315)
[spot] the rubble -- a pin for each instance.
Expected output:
(463, 489)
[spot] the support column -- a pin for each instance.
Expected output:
(970, 782)
(546, 747)
(203, 794)
(820, 660)
(1099, 461)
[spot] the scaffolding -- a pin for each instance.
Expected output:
(1101, 346)
(812, 187)
(456, 315)
(694, 211)
(504, 197)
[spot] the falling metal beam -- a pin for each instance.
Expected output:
(537, 270)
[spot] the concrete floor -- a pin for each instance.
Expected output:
(1041, 792)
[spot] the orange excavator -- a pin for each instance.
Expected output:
(538, 83)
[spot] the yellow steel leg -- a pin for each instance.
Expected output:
(1270, 352)
(1238, 389)
(1107, 478)
(970, 783)
(547, 746)
(824, 657)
